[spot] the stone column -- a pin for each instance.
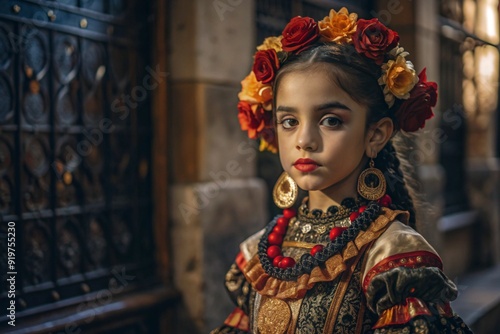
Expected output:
(418, 27)
(426, 155)
(216, 200)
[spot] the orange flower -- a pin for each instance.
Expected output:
(338, 26)
(254, 91)
(271, 43)
(252, 118)
(399, 78)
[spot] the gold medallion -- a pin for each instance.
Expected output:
(274, 316)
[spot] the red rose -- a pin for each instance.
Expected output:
(252, 117)
(269, 135)
(374, 40)
(299, 33)
(265, 65)
(414, 111)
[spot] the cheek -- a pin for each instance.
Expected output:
(284, 149)
(357, 135)
(346, 149)
(283, 137)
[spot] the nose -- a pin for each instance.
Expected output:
(307, 138)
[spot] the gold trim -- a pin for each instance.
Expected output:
(338, 299)
(295, 307)
(362, 309)
(403, 313)
(298, 244)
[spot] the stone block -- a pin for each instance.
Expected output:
(483, 176)
(182, 41)
(212, 40)
(208, 142)
(185, 132)
(430, 205)
(459, 234)
(209, 221)
(228, 150)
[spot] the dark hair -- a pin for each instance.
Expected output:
(357, 76)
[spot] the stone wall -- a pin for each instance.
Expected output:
(215, 199)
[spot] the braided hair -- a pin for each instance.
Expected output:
(389, 162)
(358, 77)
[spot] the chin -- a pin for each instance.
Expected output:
(309, 187)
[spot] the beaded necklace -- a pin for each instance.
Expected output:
(313, 226)
(285, 268)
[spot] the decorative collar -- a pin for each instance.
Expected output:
(267, 285)
(334, 212)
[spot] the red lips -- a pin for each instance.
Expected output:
(305, 165)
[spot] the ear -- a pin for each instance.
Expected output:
(378, 135)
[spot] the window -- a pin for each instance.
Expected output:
(468, 91)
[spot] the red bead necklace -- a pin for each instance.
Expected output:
(275, 238)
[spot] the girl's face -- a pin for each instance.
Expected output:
(321, 133)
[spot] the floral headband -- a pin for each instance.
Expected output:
(370, 38)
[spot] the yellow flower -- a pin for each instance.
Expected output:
(271, 43)
(338, 26)
(254, 91)
(266, 146)
(399, 78)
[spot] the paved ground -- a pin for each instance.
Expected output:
(478, 302)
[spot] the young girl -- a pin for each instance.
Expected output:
(330, 96)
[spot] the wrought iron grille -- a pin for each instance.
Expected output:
(75, 145)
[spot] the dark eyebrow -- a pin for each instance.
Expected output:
(328, 105)
(333, 105)
(285, 109)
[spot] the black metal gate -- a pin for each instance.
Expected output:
(75, 143)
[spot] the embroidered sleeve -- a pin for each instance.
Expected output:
(414, 274)
(239, 291)
(236, 323)
(238, 287)
(428, 324)
(228, 330)
(410, 294)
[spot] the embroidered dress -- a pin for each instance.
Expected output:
(387, 280)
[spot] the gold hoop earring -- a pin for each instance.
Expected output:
(371, 183)
(285, 191)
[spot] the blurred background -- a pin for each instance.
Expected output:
(129, 184)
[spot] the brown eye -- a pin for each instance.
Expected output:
(288, 123)
(331, 122)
